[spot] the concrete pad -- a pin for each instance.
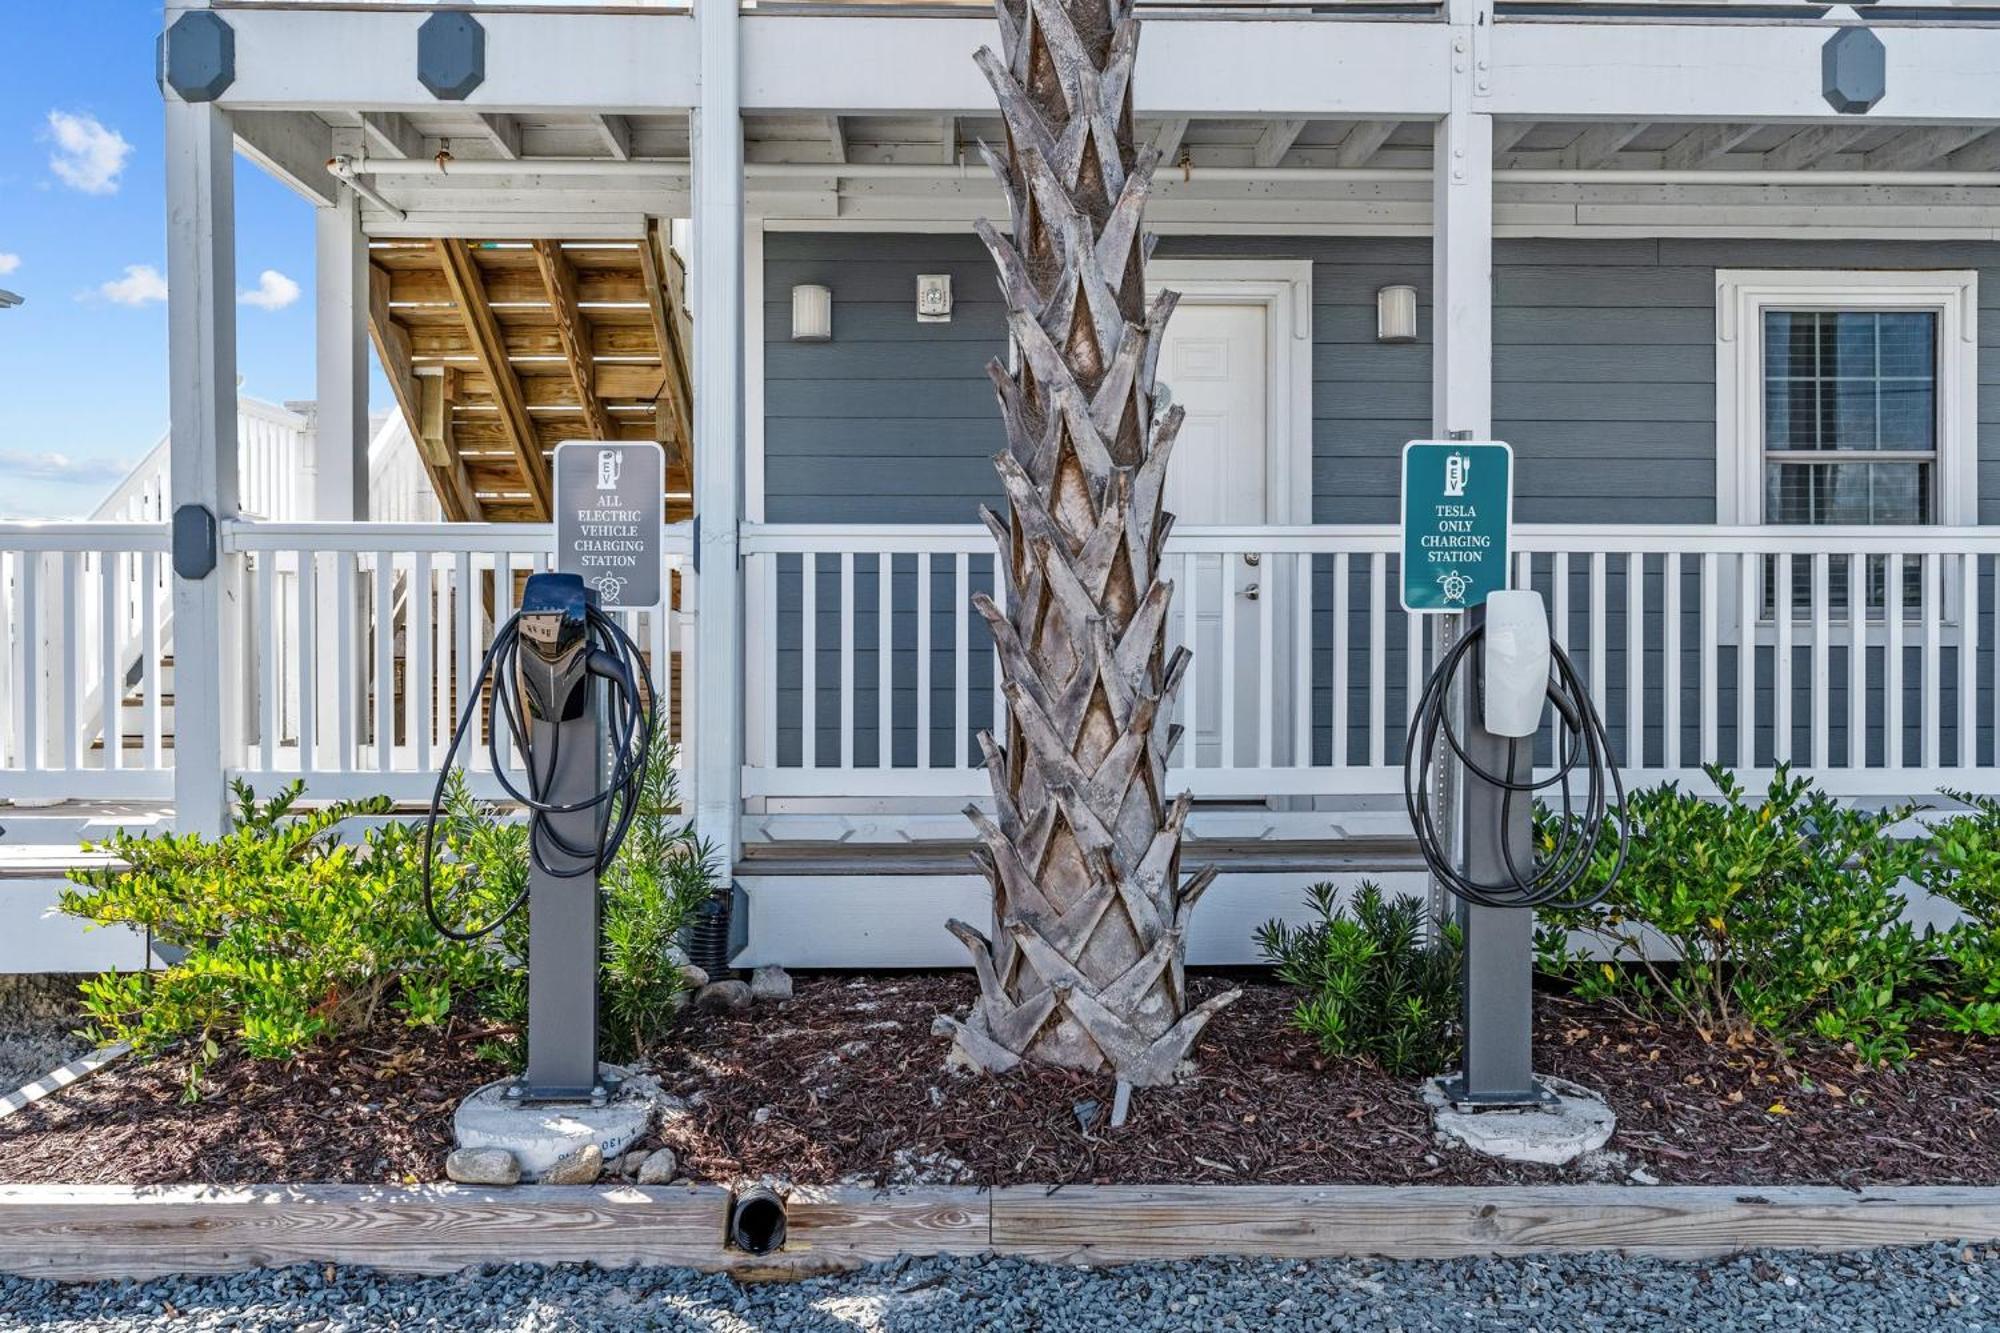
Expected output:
(541, 1134)
(1578, 1123)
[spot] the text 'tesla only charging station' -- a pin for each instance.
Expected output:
(1486, 725)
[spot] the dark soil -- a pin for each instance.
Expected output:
(376, 1109)
(846, 1083)
(856, 1087)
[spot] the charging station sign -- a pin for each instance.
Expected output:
(610, 507)
(1458, 510)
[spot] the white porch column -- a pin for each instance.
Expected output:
(717, 282)
(1462, 248)
(1461, 300)
(340, 445)
(201, 358)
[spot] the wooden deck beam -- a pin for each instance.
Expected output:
(559, 279)
(457, 500)
(489, 348)
(674, 413)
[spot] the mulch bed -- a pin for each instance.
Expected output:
(847, 1084)
(376, 1109)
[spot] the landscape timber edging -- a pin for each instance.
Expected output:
(88, 1232)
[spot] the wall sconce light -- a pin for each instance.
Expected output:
(812, 314)
(1396, 315)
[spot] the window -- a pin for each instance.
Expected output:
(1845, 399)
(1850, 416)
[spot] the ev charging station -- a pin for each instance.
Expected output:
(571, 694)
(1470, 759)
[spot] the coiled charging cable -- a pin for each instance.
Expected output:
(613, 656)
(1556, 878)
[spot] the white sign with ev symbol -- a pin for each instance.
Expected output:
(609, 510)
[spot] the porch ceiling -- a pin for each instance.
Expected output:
(500, 350)
(460, 135)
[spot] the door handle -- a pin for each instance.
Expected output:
(1250, 591)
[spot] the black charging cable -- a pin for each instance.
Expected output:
(1556, 878)
(612, 656)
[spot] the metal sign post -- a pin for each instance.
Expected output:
(1458, 500)
(608, 512)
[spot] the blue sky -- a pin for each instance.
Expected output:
(83, 363)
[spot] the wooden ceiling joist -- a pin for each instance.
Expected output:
(457, 499)
(500, 351)
(489, 349)
(559, 281)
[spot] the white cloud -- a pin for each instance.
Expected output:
(141, 285)
(88, 156)
(274, 291)
(58, 467)
(8, 263)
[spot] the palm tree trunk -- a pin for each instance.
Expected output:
(1085, 967)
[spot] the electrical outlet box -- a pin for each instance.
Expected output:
(933, 298)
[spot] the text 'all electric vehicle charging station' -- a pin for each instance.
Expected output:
(1497, 672)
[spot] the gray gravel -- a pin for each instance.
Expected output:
(38, 1015)
(1934, 1288)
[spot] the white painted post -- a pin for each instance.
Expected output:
(340, 439)
(717, 150)
(1461, 293)
(201, 355)
(340, 445)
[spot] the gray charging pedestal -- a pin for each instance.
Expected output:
(563, 915)
(1498, 990)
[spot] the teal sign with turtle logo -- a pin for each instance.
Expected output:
(1458, 508)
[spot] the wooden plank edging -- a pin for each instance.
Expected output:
(83, 1232)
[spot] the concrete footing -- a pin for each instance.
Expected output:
(540, 1134)
(1578, 1122)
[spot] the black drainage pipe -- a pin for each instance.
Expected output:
(757, 1221)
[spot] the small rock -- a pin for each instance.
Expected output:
(482, 1166)
(1086, 1114)
(722, 997)
(770, 983)
(580, 1166)
(1641, 1176)
(629, 1164)
(659, 1168)
(694, 976)
(761, 1115)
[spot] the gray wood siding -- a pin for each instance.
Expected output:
(1604, 382)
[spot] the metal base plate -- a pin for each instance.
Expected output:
(522, 1092)
(1536, 1098)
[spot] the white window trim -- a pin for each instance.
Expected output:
(1742, 296)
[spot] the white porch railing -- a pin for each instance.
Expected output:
(84, 606)
(362, 643)
(1867, 657)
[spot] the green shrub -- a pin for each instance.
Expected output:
(1376, 987)
(286, 935)
(1962, 866)
(1784, 916)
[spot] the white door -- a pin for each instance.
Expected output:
(1215, 364)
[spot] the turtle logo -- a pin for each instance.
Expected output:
(1455, 584)
(608, 587)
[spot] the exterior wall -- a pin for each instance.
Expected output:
(1604, 381)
